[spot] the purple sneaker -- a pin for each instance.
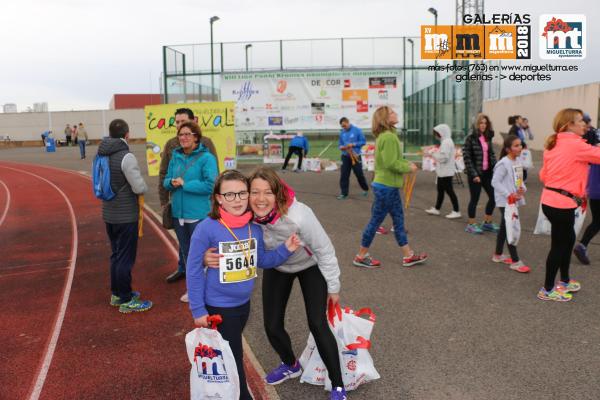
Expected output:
(581, 254)
(338, 393)
(283, 373)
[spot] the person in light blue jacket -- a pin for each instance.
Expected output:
(298, 145)
(190, 179)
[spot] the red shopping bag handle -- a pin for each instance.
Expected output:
(334, 311)
(214, 321)
(361, 343)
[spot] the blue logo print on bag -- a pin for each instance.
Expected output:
(101, 178)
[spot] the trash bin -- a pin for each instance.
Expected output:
(50, 145)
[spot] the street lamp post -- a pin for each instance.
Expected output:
(247, 47)
(212, 63)
(412, 64)
(435, 90)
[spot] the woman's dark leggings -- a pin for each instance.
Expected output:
(563, 240)
(475, 189)
(276, 290)
(234, 321)
(444, 185)
(594, 226)
(501, 238)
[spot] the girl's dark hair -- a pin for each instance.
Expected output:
(511, 120)
(229, 175)
(194, 127)
(508, 142)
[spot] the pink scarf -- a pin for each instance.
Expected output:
(235, 221)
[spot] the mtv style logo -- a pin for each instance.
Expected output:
(562, 36)
(210, 364)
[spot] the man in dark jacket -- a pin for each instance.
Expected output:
(121, 215)
(181, 115)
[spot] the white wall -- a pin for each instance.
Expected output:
(29, 126)
(540, 109)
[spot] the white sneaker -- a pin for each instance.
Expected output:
(433, 211)
(185, 298)
(454, 215)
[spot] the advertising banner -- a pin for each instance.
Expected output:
(216, 121)
(310, 100)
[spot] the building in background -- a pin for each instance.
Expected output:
(126, 101)
(9, 108)
(40, 107)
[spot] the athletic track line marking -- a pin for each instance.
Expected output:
(51, 346)
(3, 217)
(271, 393)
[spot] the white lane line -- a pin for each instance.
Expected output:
(3, 217)
(51, 346)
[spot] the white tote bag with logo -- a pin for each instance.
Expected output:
(352, 333)
(213, 374)
(513, 224)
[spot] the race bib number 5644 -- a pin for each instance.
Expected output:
(238, 263)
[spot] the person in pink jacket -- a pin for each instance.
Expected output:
(564, 175)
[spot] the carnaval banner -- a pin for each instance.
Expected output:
(216, 121)
(310, 100)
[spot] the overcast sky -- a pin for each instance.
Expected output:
(75, 54)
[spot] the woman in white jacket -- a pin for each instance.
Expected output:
(314, 265)
(445, 169)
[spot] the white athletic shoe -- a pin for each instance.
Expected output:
(433, 211)
(454, 215)
(185, 298)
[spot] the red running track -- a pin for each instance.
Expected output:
(61, 339)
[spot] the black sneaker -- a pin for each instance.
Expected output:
(175, 276)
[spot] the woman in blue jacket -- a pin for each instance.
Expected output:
(190, 180)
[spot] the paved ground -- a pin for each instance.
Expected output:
(459, 327)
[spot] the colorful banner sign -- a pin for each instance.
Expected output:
(216, 121)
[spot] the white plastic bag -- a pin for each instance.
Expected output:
(544, 227)
(580, 213)
(513, 224)
(213, 374)
(352, 333)
(526, 159)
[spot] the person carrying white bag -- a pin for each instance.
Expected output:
(352, 333)
(509, 189)
(214, 372)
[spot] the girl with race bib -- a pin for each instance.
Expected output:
(226, 290)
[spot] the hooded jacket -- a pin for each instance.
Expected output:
(505, 180)
(317, 249)
(445, 157)
(126, 182)
(199, 172)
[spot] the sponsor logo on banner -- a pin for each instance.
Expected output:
(347, 83)
(276, 121)
(319, 118)
(317, 108)
(563, 36)
(382, 94)
(355, 95)
(291, 120)
(281, 86)
(326, 82)
(245, 92)
(362, 106)
(382, 83)
(469, 41)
